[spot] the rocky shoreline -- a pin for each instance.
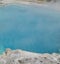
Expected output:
(53, 5)
(24, 57)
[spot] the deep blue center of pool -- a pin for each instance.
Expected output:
(31, 28)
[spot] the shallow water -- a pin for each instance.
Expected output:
(30, 28)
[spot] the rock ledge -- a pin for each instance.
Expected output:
(24, 57)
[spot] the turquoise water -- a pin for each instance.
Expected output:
(30, 28)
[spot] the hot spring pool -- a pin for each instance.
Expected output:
(31, 28)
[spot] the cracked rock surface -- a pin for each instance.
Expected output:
(24, 57)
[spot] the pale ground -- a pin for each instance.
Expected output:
(53, 5)
(24, 57)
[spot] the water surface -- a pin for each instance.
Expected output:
(30, 28)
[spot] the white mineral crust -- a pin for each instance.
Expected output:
(24, 57)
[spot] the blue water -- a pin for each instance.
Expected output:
(31, 28)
